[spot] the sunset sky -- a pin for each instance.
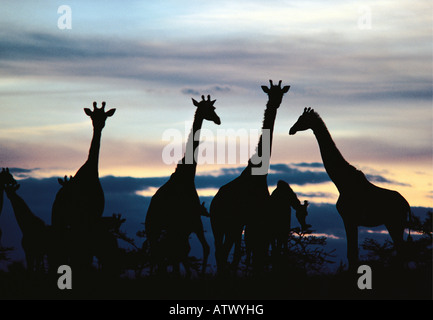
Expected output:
(364, 66)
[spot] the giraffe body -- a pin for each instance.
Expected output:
(244, 201)
(5, 179)
(360, 202)
(175, 210)
(35, 233)
(79, 203)
(279, 224)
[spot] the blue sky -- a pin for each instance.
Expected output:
(365, 67)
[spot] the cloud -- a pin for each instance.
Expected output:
(214, 179)
(381, 179)
(420, 92)
(190, 92)
(308, 195)
(295, 176)
(129, 185)
(231, 61)
(210, 90)
(308, 165)
(220, 89)
(21, 173)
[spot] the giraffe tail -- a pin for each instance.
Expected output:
(410, 223)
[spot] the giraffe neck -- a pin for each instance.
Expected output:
(338, 169)
(22, 212)
(93, 158)
(1, 198)
(188, 165)
(261, 158)
(293, 199)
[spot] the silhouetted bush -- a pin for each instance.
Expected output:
(417, 251)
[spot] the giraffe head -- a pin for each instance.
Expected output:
(6, 177)
(99, 116)
(65, 181)
(284, 197)
(306, 121)
(206, 110)
(11, 188)
(275, 93)
(301, 215)
(112, 223)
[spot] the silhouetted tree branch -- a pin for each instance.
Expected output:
(307, 251)
(4, 251)
(417, 250)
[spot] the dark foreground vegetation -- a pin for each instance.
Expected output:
(298, 274)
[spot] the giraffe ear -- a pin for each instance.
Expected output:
(110, 112)
(194, 102)
(88, 111)
(265, 89)
(286, 89)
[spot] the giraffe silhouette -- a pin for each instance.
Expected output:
(61, 245)
(279, 224)
(5, 178)
(360, 202)
(80, 202)
(35, 238)
(244, 200)
(105, 245)
(175, 210)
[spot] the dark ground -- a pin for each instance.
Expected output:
(387, 284)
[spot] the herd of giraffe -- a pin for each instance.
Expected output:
(241, 208)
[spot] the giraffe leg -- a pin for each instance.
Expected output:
(187, 267)
(153, 257)
(248, 253)
(237, 253)
(218, 243)
(352, 245)
(260, 247)
(176, 267)
(227, 246)
(28, 251)
(39, 262)
(206, 249)
(30, 260)
(396, 232)
(247, 259)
